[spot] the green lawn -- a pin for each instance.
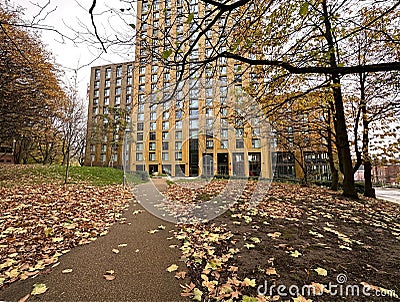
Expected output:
(11, 175)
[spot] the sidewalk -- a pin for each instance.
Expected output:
(389, 194)
(140, 267)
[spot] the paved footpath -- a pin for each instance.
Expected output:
(389, 194)
(140, 275)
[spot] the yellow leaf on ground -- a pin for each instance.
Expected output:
(172, 268)
(321, 271)
(38, 288)
(295, 254)
(301, 299)
(67, 271)
(271, 271)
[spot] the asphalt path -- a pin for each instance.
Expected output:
(140, 266)
(389, 194)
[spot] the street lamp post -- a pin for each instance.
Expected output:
(125, 156)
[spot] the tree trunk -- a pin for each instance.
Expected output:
(67, 167)
(342, 140)
(334, 171)
(369, 191)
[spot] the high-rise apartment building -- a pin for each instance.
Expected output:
(109, 113)
(181, 120)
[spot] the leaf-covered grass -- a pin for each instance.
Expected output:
(14, 175)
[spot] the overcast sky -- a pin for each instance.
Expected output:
(69, 17)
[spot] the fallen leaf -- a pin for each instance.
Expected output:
(180, 275)
(271, 271)
(109, 277)
(67, 271)
(321, 271)
(301, 299)
(24, 298)
(122, 245)
(115, 251)
(295, 254)
(38, 289)
(197, 294)
(172, 267)
(255, 239)
(249, 245)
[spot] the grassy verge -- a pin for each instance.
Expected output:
(14, 175)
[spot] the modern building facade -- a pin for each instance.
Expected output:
(110, 102)
(195, 127)
(202, 125)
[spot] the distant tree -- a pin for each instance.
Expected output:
(30, 94)
(72, 128)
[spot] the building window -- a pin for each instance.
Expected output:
(224, 111)
(142, 79)
(178, 135)
(139, 146)
(165, 156)
(256, 131)
(107, 92)
(165, 115)
(153, 126)
(97, 74)
(178, 145)
(255, 143)
(178, 155)
(152, 156)
(194, 103)
(239, 144)
(96, 85)
(224, 144)
(165, 135)
(102, 158)
(139, 136)
(107, 83)
(152, 146)
(239, 132)
(117, 100)
(178, 124)
(129, 80)
(142, 69)
(139, 156)
(140, 116)
(140, 127)
(153, 116)
(118, 82)
(119, 71)
(193, 133)
(165, 125)
(194, 124)
(178, 114)
(209, 144)
(224, 133)
(130, 70)
(165, 146)
(108, 73)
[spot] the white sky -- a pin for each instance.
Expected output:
(71, 16)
